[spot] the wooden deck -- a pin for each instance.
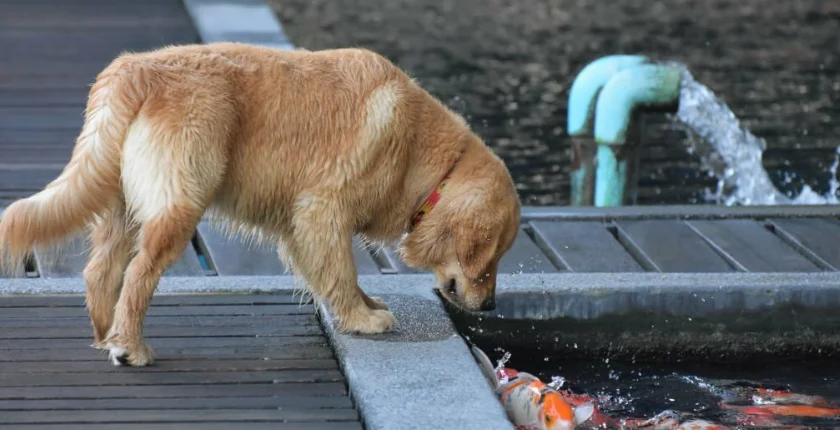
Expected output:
(612, 244)
(234, 361)
(52, 51)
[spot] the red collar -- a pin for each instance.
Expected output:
(430, 201)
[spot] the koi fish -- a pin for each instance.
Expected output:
(529, 403)
(785, 410)
(597, 419)
(670, 420)
(781, 397)
(533, 405)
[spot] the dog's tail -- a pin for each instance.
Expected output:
(91, 180)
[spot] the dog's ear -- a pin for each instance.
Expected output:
(475, 247)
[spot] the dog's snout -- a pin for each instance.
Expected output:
(488, 304)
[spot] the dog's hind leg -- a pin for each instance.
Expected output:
(170, 176)
(321, 250)
(112, 241)
(162, 241)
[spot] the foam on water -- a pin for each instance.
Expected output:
(733, 154)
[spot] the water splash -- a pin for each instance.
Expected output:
(733, 154)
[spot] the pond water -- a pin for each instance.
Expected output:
(643, 390)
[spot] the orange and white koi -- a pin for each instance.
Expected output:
(529, 403)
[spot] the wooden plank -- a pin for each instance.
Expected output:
(87, 43)
(152, 332)
(209, 310)
(97, 21)
(175, 391)
(53, 140)
(170, 365)
(288, 297)
(206, 341)
(75, 98)
(153, 15)
(817, 239)
(27, 177)
(170, 378)
(336, 425)
(583, 246)
(302, 403)
(525, 257)
(75, 259)
(669, 246)
(85, 353)
(231, 257)
(748, 246)
(66, 79)
(41, 118)
(186, 415)
(37, 155)
(170, 321)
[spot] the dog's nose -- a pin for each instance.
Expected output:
(488, 304)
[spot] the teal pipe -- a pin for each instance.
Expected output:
(642, 85)
(588, 84)
(581, 108)
(610, 177)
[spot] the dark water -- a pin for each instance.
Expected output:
(634, 390)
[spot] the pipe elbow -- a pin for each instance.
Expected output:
(588, 83)
(642, 85)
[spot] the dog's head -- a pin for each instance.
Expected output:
(462, 239)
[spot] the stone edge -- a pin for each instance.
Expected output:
(465, 400)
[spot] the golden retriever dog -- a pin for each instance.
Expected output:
(304, 149)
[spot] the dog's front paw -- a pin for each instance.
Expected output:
(370, 322)
(138, 356)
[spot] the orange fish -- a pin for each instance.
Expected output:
(767, 395)
(529, 403)
(786, 410)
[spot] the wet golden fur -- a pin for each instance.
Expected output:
(300, 149)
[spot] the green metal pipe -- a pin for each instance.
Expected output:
(581, 109)
(644, 85)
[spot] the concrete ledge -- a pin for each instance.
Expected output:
(671, 316)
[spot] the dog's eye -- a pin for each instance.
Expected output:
(450, 286)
